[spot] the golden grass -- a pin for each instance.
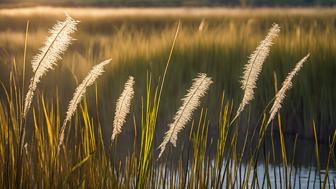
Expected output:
(140, 46)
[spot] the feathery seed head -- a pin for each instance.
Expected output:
(286, 85)
(123, 107)
(190, 102)
(95, 72)
(48, 55)
(254, 66)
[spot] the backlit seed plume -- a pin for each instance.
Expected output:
(286, 85)
(95, 72)
(253, 67)
(123, 107)
(54, 46)
(190, 102)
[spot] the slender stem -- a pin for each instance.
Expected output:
(168, 62)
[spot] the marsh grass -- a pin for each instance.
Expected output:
(204, 161)
(223, 44)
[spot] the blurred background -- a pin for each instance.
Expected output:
(176, 2)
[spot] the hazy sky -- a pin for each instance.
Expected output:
(189, 2)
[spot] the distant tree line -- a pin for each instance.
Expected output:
(184, 2)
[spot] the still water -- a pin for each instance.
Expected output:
(301, 172)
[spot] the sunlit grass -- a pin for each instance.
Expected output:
(220, 50)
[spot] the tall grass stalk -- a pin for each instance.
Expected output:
(150, 108)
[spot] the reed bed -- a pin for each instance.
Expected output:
(33, 158)
(223, 44)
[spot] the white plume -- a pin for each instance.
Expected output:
(54, 46)
(253, 67)
(123, 107)
(190, 102)
(286, 85)
(95, 72)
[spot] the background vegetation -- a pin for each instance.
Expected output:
(217, 43)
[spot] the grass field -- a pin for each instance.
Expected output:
(211, 152)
